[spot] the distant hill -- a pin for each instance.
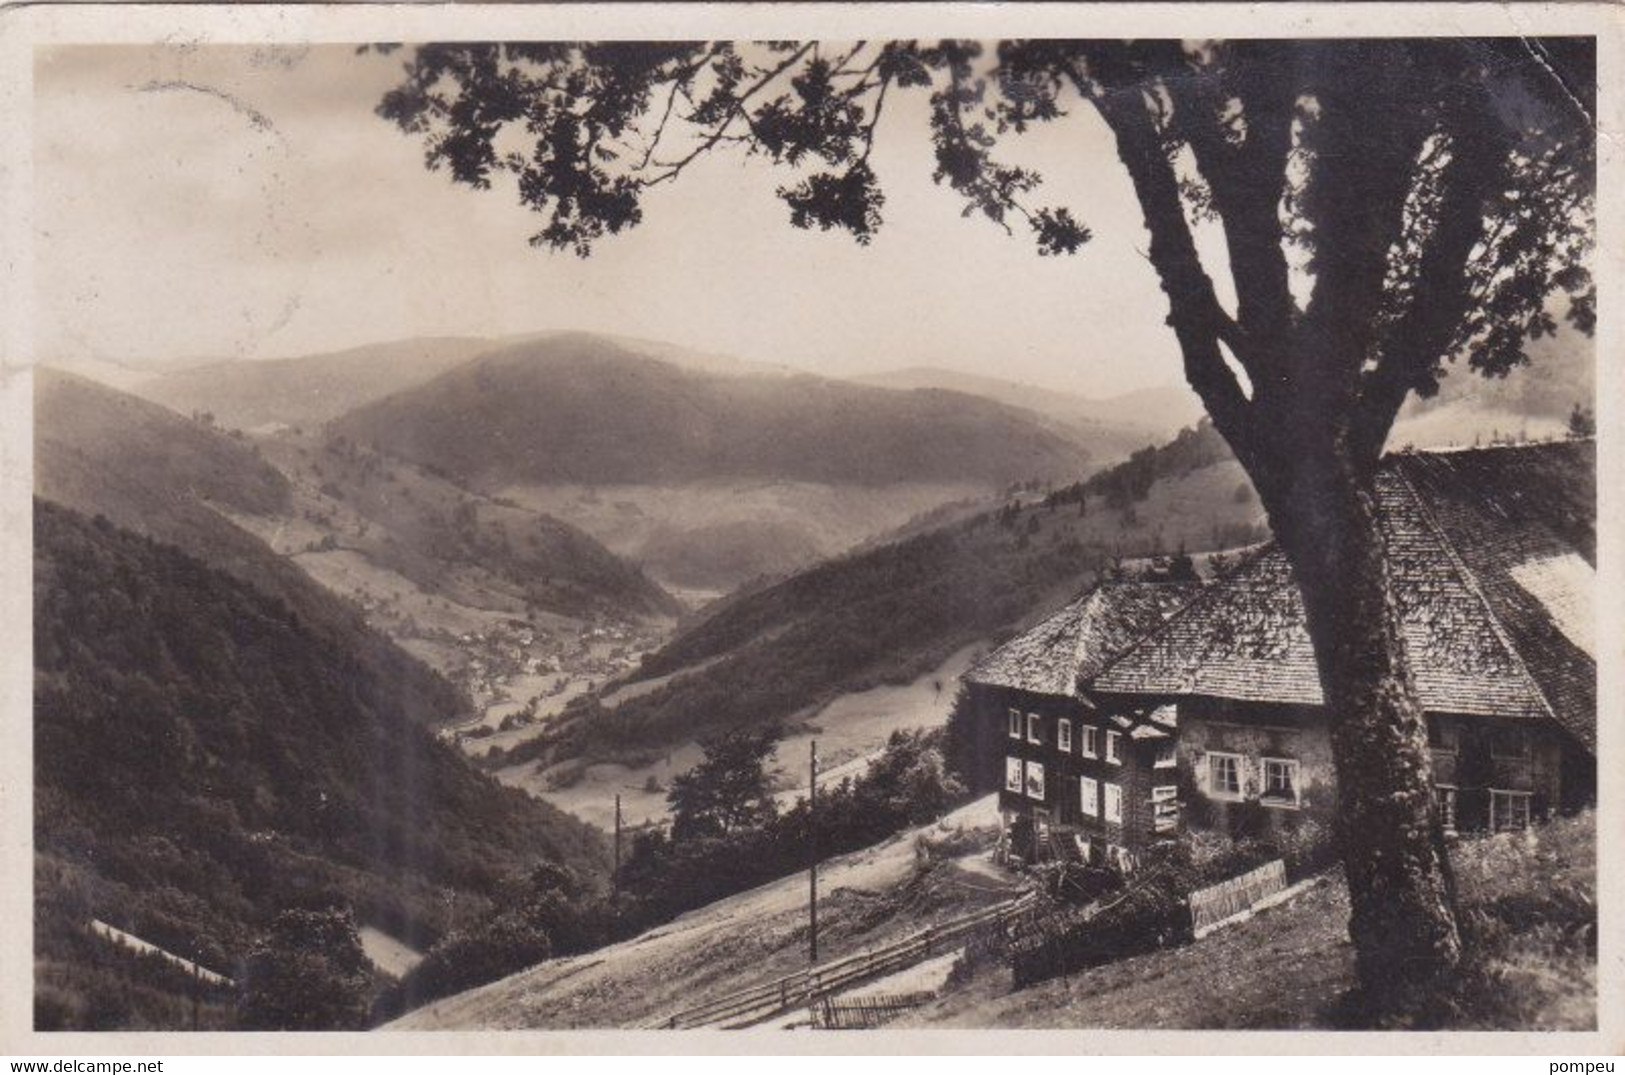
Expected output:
(152, 472)
(96, 442)
(207, 755)
(226, 497)
(576, 408)
(1118, 424)
(480, 551)
(309, 390)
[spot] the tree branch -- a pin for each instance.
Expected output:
(736, 109)
(1194, 311)
(1247, 181)
(1364, 168)
(1441, 296)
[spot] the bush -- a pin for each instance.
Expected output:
(464, 959)
(1527, 908)
(308, 973)
(1150, 913)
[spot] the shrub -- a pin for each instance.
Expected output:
(1149, 913)
(466, 958)
(307, 973)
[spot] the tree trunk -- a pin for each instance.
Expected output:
(1400, 886)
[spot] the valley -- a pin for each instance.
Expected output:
(557, 620)
(701, 540)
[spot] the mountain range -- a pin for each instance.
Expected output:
(584, 409)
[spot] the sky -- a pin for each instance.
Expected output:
(211, 202)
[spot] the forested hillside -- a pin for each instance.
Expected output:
(577, 408)
(206, 756)
(893, 612)
(146, 469)
(442, 539)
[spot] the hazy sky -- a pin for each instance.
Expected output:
(224, 201)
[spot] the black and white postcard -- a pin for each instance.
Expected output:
(525, 524)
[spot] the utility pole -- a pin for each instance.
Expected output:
(615, 877)
(812, 869)
(197, 988)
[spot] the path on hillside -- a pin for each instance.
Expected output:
(869, 897)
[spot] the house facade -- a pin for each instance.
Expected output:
(1215, 703)
(1074, 779)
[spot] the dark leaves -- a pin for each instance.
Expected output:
(604, 121)
(850, 200)
(1058, 232)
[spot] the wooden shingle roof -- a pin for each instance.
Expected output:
(1492, 559)
(1076, 642)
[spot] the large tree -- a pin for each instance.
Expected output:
(1387, 207)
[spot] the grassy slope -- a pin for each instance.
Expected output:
(470, 548)
(870, 897)
(1288, 967)
(205, 757)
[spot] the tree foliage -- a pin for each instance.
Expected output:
(308, 972)
(1436, 192)
(205, 760)
(1388, 206)
(730, 789)
(669, 872)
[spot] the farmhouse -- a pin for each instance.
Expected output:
(1144, 709)
(1067, 769)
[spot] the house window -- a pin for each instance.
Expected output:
(1167, 754)
(1164, 808)
(1509, 810)
(1063, 735)
(1510, 744)
(1445, 796)
(1089, 796)
(1114, 750)
(1224, 775)
(1280, 782)
(1012, 775)
(1035, 781)
(1035, 728)
(1114, 803)
(1089, 741)
(1443, 737)
(1015, 724)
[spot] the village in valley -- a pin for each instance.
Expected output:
(1225, 658)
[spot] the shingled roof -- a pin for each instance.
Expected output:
(1076, 642)
(1492, 553)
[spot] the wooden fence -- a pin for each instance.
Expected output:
(864, 1013)
(804, 988)
(1218, 904)
(130, 940)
